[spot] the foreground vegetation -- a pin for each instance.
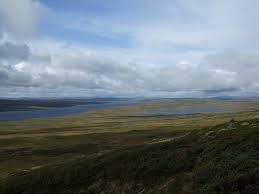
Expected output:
(222, 159)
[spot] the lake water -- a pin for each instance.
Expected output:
(55, 112)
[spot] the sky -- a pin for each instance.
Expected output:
(129, 48)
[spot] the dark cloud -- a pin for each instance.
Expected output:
(12, 51)
(3, 75)
(10, 77)
(221, 90)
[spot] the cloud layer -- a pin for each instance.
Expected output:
(170, 55)
(76, 69)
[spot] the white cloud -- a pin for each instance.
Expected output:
(12, 51)
(76, 69)
(20, 17)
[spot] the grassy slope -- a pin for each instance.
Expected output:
(104, 137)
(23, 154)
(222, 159)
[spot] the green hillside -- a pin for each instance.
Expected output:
(220, 159)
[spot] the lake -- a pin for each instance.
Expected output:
(70, 110)
(61, 111)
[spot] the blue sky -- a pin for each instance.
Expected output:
(169, 48)
(172, 27)
(70, 13)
